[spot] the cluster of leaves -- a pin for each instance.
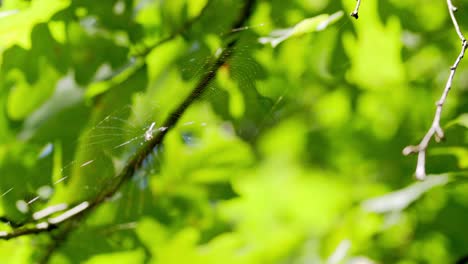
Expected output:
(291, 152)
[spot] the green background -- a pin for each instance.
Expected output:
(291, 155)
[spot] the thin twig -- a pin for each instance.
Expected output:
(47, 225)
(436, 130)
(356, 10)
(452, 9)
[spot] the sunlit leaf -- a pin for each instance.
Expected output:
(401, 199)
(305, 26)
(15, 28)
(461, 120)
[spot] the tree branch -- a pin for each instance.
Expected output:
(48, 225)
(65, 220)
(136, 63)
(356, 10)
(436, 130)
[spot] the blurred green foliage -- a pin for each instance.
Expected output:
(291, 155)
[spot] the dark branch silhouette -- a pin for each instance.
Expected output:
(435, 130)
(66, 220)
(136, 63)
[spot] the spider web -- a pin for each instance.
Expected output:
(115, 135)
(105, 146)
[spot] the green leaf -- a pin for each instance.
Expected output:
(37, 93)
(401, 199)
(15, 28)
(461, 120)
(309, 25)
(122, 257)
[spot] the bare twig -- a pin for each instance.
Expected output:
(436, 130)
(356, 10)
